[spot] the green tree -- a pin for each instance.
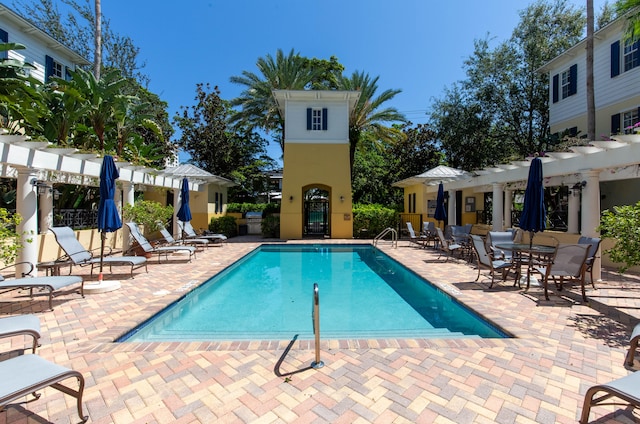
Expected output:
(633, 20)
(623, 225)
(369, 115)
(234, 152)
(19, 98)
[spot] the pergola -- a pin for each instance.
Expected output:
(37, 165)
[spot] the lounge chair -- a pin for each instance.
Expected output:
(160, 250)
(429, 231)
(420, 240)
(26, 374)
(485, 259)
(446, 246)
(567, 263)
(625, 388)
(27, 325)
(170, 241)
(76, 254)
(189, 232)
(52, 284)
(633, 345)
(594, 245)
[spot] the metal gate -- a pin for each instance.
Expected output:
(316, 218)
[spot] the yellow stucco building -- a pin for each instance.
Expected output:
(316, 179)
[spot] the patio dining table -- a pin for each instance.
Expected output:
(524, 253)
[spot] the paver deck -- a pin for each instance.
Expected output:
(561, 348)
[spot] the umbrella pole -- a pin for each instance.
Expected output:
(102, 239)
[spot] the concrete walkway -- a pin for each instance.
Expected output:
(560, 349)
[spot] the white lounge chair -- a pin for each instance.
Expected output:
(26, 374)
(625, 388)
(420, 240)
(76, 254)
(51, 284)
(190, 232)
(170, 241)
(447, 247)
(18, 325)
(160, 250)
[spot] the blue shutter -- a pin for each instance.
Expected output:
(4, 38)
(615, 123)
(308, 119)
(216, 203)
(573, 80)
(324, 118)
(615, 59)
(48, 68)
(554, 88)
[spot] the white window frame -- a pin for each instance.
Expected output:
(631, 54)
(57, 70)
(629, 118)
(565, 83)
(316, 119)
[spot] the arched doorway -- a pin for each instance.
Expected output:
(316, 216)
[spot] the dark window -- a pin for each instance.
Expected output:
(615, 59)
(4, 38)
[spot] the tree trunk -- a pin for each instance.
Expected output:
(97, 55)
(591, 102)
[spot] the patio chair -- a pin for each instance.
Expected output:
(170, 241)
(625, 388)
(485, 259)
(21, 325)
(567, 263)
(26, 374)
(447, 247)
(594, 245)
(420, 240)
(160, 250)
(76, 254)
(429, 231)
(633, 345)
(190, 232)
(50, 283)
(500, 238)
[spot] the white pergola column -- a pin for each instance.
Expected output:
(176, 207)
(451, 208)
(573, 212)
(128, 197)
(45, 205)
(591, 213)
(498, 207)
(27, 207)
(508, 204)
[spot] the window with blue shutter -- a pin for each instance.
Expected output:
(555, 89)
(615, 59)
(4, 38)
(325, 113)
(317, 119)
(573, 80)
(309, 119)
(48, 68)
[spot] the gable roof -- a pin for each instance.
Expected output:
(434, 175)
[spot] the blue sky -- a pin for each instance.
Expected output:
(417, 46)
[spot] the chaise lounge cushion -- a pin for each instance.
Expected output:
(52, 284)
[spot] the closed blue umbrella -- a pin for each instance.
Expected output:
(534, 214)
(184, 213)
(108, 218)
(441, 212)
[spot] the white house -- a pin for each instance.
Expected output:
(50, 57)
(616, 73)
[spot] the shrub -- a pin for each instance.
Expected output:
(265, 208)
(270, 226)
(224, 225)
(10, 240)
(623, 225)
(147, 213)
(370, 220)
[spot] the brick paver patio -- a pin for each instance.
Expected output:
(561, 347)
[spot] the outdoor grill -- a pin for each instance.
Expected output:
(254, 222)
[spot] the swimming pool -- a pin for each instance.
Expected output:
(268, 295)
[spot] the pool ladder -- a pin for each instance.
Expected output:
(316, 326)
(394, 237)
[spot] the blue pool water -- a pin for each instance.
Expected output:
(268, 295)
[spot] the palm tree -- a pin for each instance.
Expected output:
(367, 115)
(624, 6)
(259, 108)
(97, 55)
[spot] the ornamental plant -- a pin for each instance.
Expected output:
(10, 239)
(147, 213)
(622, 225)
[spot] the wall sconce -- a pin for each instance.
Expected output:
(579, 185)
(342, 198)
(41, 186)
(290, 198)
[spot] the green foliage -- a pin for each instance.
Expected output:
(370, 220)
(623, 225)
(147, 213)
(265, 208)
(224, 225)
(633, 20)
(10, 240)
(270, 226)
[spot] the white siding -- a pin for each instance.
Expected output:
(337, 122)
